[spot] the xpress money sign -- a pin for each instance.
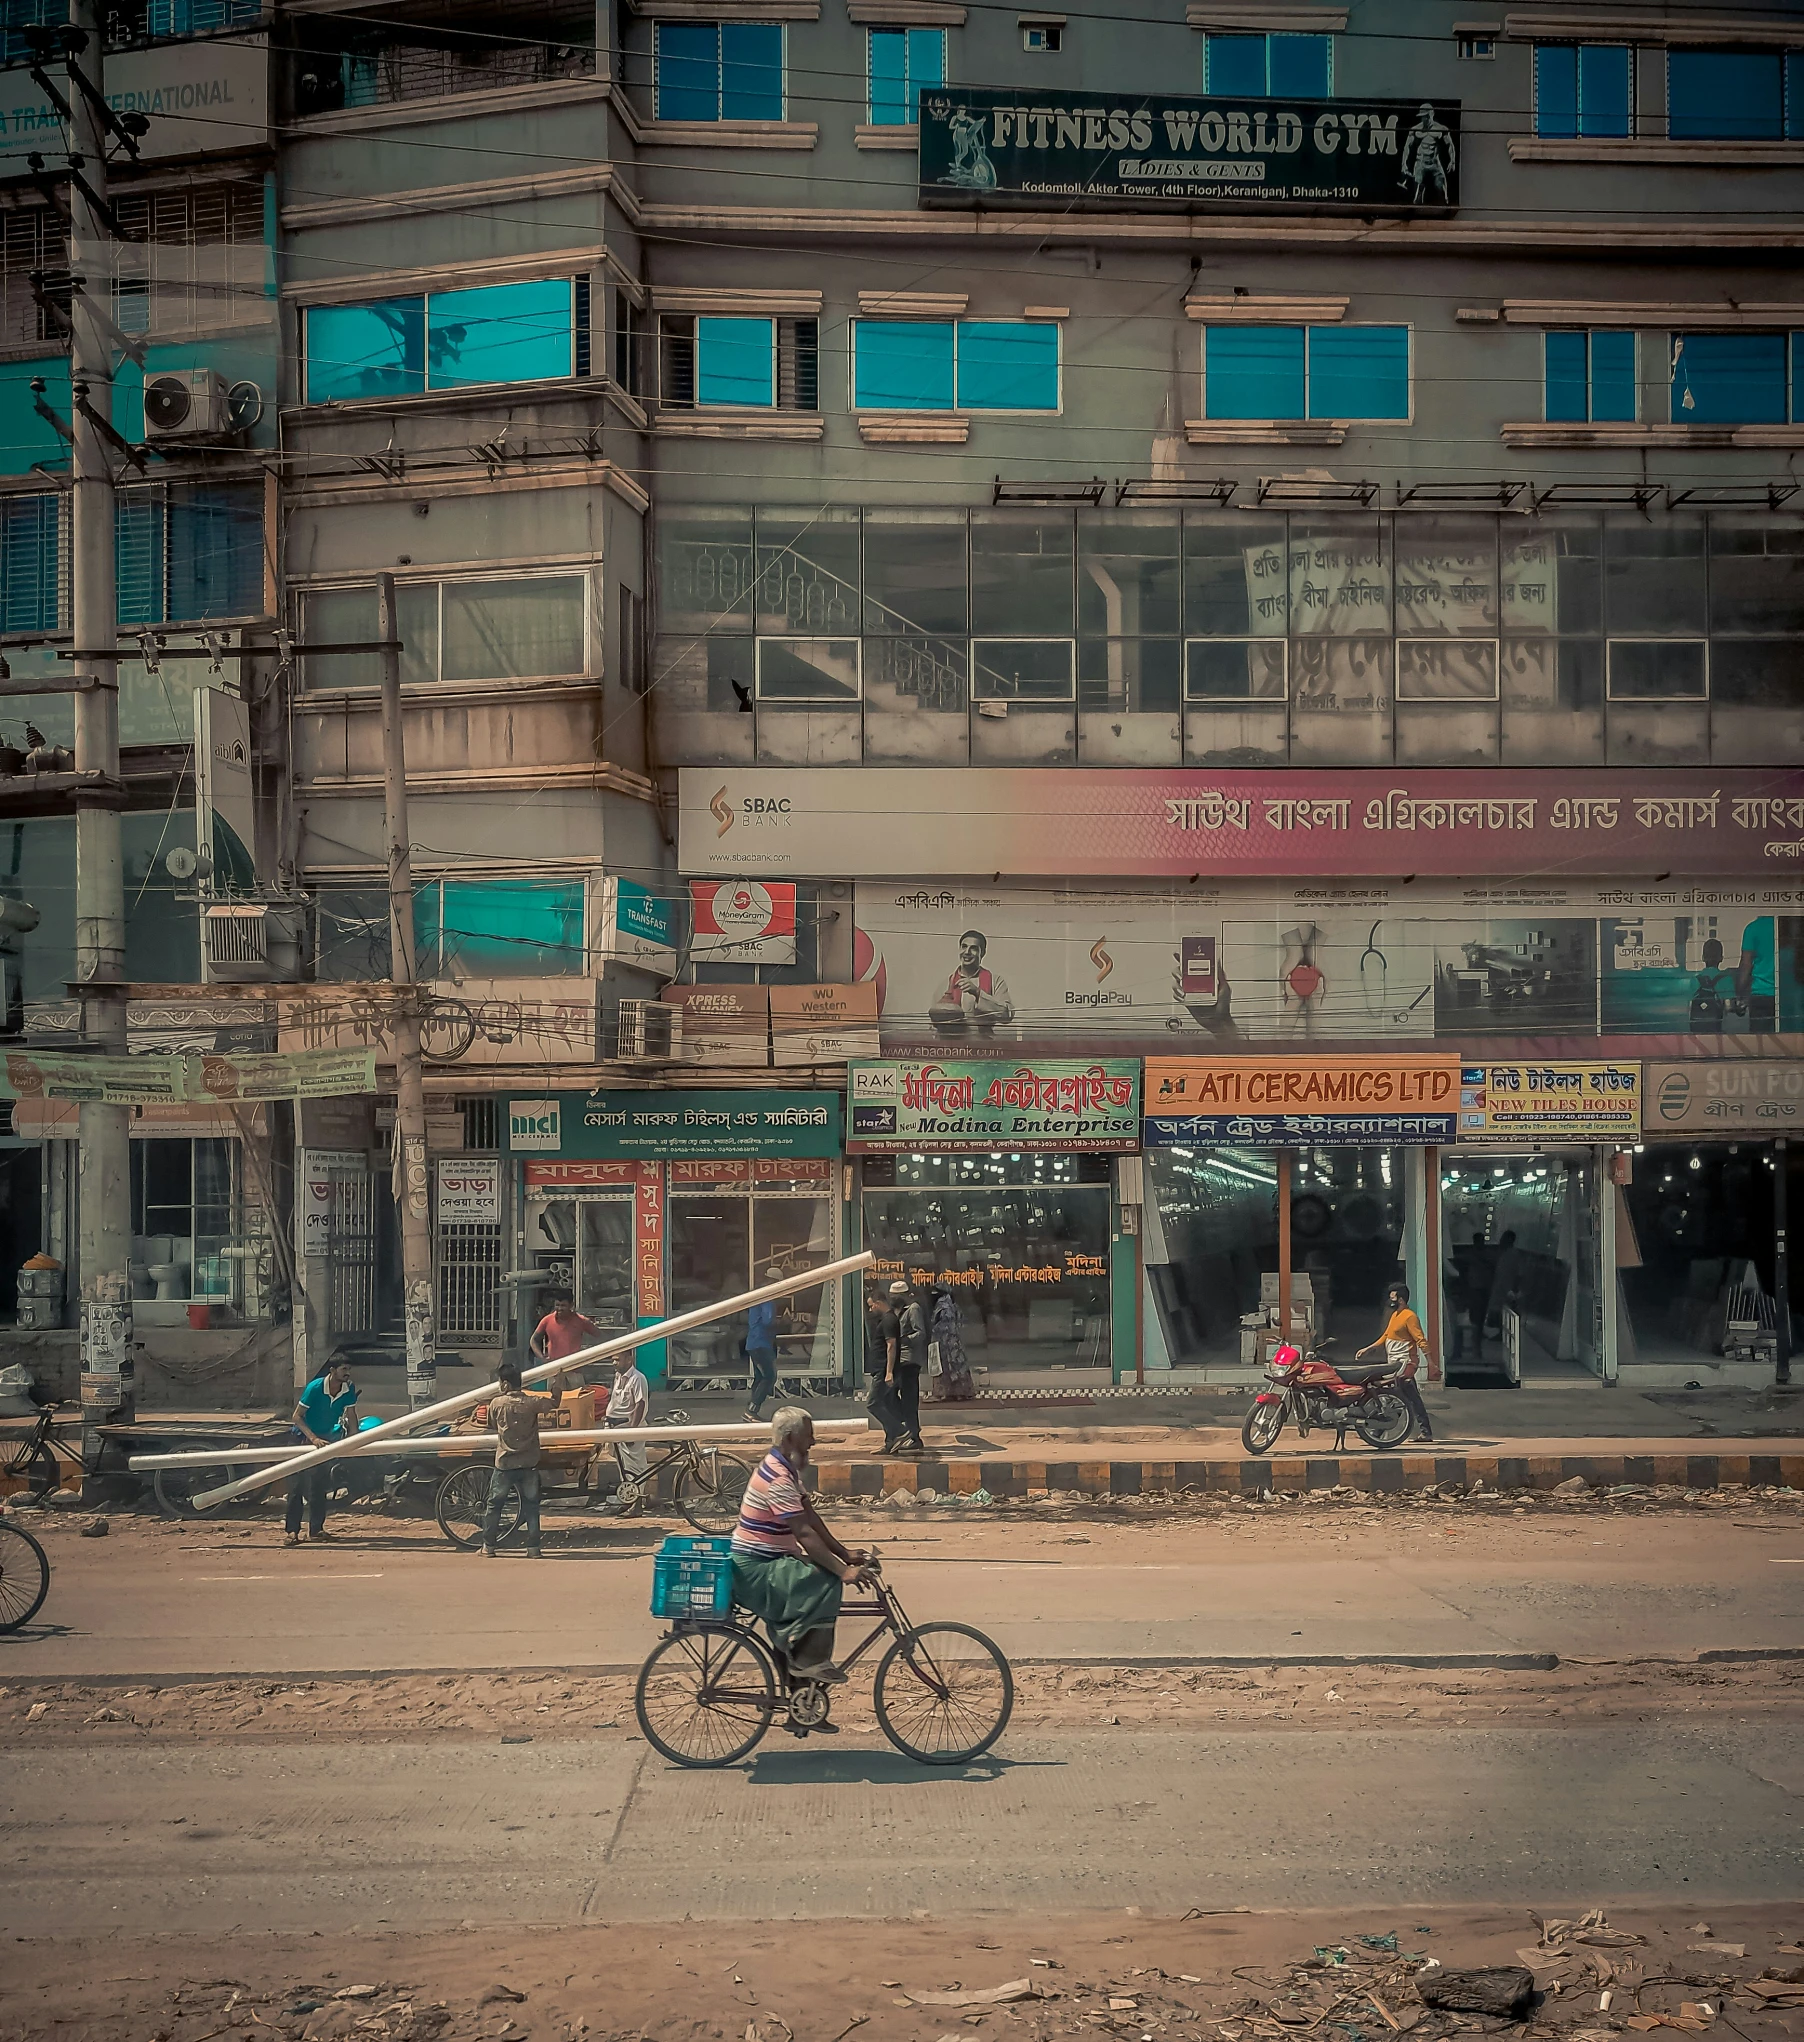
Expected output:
(1369, 155)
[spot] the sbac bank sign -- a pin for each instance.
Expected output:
(1366, 155)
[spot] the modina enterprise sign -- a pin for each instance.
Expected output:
(1368, 155)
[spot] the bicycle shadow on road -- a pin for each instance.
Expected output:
(874, 1768)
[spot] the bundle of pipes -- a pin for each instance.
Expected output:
(383, 1438)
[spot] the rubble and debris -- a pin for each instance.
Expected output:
(1503, 1991)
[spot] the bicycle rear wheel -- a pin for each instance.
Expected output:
(463, 1501)
(944, 1693)
(27, 1459)
(710, 1490)
(706, 1695)
(24, 1576)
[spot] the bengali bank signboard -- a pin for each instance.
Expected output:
(873, 822)
(1047, 1104)
(983, 147)
(1550, 1102)
(1293, 1101)
(1730, 1095)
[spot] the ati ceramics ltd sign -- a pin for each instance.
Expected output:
(1256, 1102)
(1376, 155)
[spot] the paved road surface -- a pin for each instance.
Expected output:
(173, 1839)
(157, 1599)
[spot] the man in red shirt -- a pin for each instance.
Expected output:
(563, 1330)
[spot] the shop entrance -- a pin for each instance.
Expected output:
(1020, 1241)
(1213, 1257)
(582, 1244)
(1521, 1265)
(733, 1226)
(1696, 1256)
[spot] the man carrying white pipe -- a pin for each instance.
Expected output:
(320, 1416)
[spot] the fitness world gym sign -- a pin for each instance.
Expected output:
(1367, 155)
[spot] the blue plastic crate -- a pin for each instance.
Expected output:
(692, 1578)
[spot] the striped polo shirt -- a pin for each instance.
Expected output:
(770, 1512)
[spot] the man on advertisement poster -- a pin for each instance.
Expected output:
(976, 1000)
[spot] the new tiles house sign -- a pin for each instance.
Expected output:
(1370, 155)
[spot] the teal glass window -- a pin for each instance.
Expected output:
(30, 553)
(186, 552)
(1298, 372)
(1008, 365)
(498, 929)
(735, 361)
(718, 70)
(1730, 378)
(904, 364)
(1268, 66)
(1729, 95)
(450, 340)
(904, 63)
(1584, 89)
(376, 349)
(1590, 378)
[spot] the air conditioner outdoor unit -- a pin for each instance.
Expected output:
(187, 404)
(651, 1032)
(245, 942)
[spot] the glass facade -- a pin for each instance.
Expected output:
(1521, 1264)
(1153, 637)
(1020, 1242)
(730, 1226)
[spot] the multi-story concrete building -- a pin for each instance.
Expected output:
(1199, 540)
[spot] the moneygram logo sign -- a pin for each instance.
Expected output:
(534, 1125)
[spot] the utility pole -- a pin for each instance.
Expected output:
(107, 1389)
(411, 1174)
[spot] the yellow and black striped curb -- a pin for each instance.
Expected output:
(1236, 1475)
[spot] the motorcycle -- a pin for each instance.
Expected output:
(1308, 1390)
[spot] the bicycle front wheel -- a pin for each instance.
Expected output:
(944, 1693)
(463, 1500)
(24, 1576)
(706, 1695)
(709, 1491)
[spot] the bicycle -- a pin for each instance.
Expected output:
(32, 1457)
(24, 1576)
(708, 1488)
(711, 1687)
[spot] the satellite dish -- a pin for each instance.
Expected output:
(181, 863)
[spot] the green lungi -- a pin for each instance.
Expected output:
(793, 1596)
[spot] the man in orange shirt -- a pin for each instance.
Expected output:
(1405, 1347)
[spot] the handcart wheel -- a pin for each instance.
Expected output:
(709, 1494)
(943, 1693)
(706, 1695)
(24, 1576)
(462, 1503)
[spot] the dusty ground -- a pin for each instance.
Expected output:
(1225, 1977)
(487, 1706)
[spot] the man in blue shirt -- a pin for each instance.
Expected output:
(761, 1346)
(321, 1415)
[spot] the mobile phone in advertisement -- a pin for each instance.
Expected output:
(1197, 967)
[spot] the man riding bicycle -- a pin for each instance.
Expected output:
(788, 1568)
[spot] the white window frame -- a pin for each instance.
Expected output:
(1326, 326)
(583, 570)
(1190, 701)
(1448, 701)
(976, 694)
(851, 638)
(1651, 638)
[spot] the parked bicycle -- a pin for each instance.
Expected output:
(707, 1486)
(35, 1457)
(24, 1576)
(712, 1687)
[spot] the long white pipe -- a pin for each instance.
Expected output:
(440, 1442)
(392, 1428)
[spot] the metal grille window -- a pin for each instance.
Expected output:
(469, 1292)
(340, 66)
(33, 238)
(187, 551)
(33, 560)
(198, 261)
(141, 21)
(763, 363)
